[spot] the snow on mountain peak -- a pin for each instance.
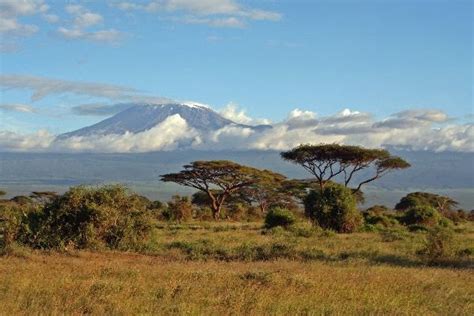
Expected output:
(196, 105)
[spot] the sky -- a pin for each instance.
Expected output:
(249, 60)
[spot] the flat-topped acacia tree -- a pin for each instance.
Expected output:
(218, 179)
(328, 161)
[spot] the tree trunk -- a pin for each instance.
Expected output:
(217, 212)
(217, 206)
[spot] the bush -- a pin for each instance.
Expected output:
(333, 208)
(86, 217)
(279, 217)
(304, 229)
(394, 234)
(14, 224)
(439, 245)
(422, 215)
(380, 216)
(180, 209)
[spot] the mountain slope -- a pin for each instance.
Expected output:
(141, 117)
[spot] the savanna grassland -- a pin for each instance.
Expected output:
(240, 268)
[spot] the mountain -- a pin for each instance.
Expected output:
(141, 117)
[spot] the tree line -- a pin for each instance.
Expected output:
(219, 179)
(111, 216)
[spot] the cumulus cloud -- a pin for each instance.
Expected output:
(51, 18)
(12, 10)
(217, 13)
(17, 107)
(232, 112)
(39, 141)
(432, 132)
(82, 20)
(165, 136)
(301, 119)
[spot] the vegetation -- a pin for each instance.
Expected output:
(279, 217)
(326, 162)
(218, 179)
(228, 267)
(333, 208)
(271, 251)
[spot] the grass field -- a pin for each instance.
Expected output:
(231, 268)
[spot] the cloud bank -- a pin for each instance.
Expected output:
(417, 129)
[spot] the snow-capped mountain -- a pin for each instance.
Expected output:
(141, 117)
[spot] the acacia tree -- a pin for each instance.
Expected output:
(326, 162)
(217, 178)
(269, 189)
(442, 203)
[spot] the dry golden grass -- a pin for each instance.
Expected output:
(360, 282)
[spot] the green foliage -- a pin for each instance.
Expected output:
(179, 209)
(328, 161)
(439, 245)
(87, 217)
(228, 176)
(333, 208)
(22, 200)
(279, 217)
(14, 224)
(422, 215)
(304, 229)
(394, 234)
(415, 199)
(379, 215)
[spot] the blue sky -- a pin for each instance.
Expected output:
(268, 57)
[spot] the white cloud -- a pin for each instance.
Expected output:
(232, 112)
(217, 13)
(412, 118)
(165, 136)
(16, 107)
(217, 22)
(12, 27)
(87, 19)
(111, 36)
(42, 87)
(39, 141)
(12, 10)
(424, 130)
(51, 18)
(83, 20)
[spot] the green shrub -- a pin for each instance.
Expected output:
(304, 229)
(379, 215)
(179, 209)
(87, 217)
(394, 234)
(279, 217)
(439, 245)
(333, 208)
(422, 215)
(15, 224)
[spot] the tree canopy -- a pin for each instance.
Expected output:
(218, 179)
(415, 199)
(328, 161)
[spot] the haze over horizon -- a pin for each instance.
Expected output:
(370, 73)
